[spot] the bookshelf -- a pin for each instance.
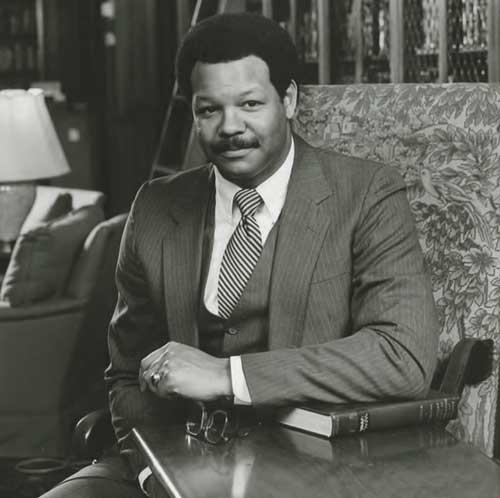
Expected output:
(308, 22)
(21, 42)
(381, 41)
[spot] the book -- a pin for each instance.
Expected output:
(330, 420)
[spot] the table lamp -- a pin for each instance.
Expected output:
(29, 151)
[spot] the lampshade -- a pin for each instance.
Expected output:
(29, 147)
(29, 151)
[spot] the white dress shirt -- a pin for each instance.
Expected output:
(227, 216)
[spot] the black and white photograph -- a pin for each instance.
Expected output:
(249, 248)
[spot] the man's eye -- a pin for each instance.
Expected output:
(205, 111)
(251, 104)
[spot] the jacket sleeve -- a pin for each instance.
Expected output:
(390, 348)
(135, 330)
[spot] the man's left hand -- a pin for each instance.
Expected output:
(185, 371)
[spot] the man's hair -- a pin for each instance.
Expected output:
(230, 37)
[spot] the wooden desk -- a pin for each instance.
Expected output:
(424, 462)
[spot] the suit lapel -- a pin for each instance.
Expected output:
(182, 255)
(304, 223)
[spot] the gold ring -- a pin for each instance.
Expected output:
(155, 379)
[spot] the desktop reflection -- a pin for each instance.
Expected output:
(274, 461)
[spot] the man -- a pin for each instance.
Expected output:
(275, 274)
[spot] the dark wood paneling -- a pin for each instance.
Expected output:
(139, 76)
(73, 48)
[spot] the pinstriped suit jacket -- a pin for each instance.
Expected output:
(351, 313)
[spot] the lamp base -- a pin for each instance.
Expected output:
(16, 201)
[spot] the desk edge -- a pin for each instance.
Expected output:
(155, 465)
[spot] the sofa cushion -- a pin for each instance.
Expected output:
(45, 196)
(43, 257)
(63, 204)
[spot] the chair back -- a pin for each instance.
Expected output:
(444, 140)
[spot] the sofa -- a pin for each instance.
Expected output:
(444, 139)
(56, 299)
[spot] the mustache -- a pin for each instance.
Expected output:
(234, 143)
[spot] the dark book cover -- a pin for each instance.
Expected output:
(330, 420)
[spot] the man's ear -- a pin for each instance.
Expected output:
(290, 99)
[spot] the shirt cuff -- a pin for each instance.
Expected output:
(142, 477)
(238, 382)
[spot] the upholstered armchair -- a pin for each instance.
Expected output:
(445, 142)
(56, 301)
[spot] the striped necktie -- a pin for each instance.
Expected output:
(241, 254)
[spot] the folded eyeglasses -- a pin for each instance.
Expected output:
(214, 424)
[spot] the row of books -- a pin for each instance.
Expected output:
(18, 19)
(18, 56)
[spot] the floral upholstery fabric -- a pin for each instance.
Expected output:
(444, 139)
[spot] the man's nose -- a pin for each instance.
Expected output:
(231, 123)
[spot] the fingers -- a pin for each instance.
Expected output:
(162, 382)
(154, 379)
(142, 384)
(149, 378)
(152, 357)
(149, 364)
(174, 369)
(155, 363)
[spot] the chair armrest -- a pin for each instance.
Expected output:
(470, 362)
(47, 308)
(44, 337)
(93, 434)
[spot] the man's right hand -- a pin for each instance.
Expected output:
(185, 371)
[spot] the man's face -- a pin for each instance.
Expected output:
(242, 122)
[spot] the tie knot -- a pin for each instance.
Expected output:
(248, 200)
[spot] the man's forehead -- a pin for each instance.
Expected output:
(251, 64)
(243, 76)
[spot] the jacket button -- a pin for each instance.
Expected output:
(232, 331)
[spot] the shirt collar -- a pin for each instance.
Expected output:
(273, 190)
